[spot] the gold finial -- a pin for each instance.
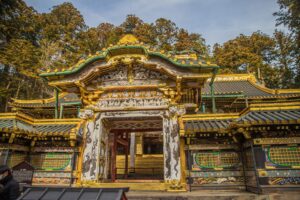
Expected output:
(128, 39)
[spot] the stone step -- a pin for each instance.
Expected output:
(211, 195)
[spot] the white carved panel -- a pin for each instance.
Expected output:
(120, 75)
(129, 99)
(141, 73)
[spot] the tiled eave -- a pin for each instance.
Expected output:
(24, 124)
(255, 115)
(66, 99)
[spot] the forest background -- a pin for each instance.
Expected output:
(31, 42)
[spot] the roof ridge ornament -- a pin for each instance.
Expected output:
(129, 38)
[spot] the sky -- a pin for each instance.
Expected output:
(216, 20)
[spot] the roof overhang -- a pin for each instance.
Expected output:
(266, 115)
(19, 123)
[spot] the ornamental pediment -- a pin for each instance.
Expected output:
(134, 74)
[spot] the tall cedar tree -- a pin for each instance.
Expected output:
(31, 42)
(289, 16)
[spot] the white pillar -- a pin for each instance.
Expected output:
(93, 134)
(172, 170)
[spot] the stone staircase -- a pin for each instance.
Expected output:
(145, 165)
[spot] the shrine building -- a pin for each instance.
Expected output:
(135, 116)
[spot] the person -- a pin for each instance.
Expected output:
(9, 188)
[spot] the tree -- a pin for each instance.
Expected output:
(251, 54)
(183, 41)
(193, 42)
(131, 22)
(18, 52)
(16, 21)
(94, 39)
(23, 56)
(30, 41)
(63, 25)
(283, 58)
(146, 33)
(166, 31)
(143, 31)
(289, 15)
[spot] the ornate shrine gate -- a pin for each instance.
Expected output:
(130, 90)
(126, 103)
(131, 81)
(96, 159)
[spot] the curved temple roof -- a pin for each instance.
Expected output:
(247, 85)
(207, 125)
(129, 45)
(264, 114)
(270, 117)
(24, 124)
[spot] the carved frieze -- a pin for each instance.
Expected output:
(123, 75)
(114, 77)
(136, 98)
(141, 73)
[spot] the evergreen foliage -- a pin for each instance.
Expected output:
(31, 42)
